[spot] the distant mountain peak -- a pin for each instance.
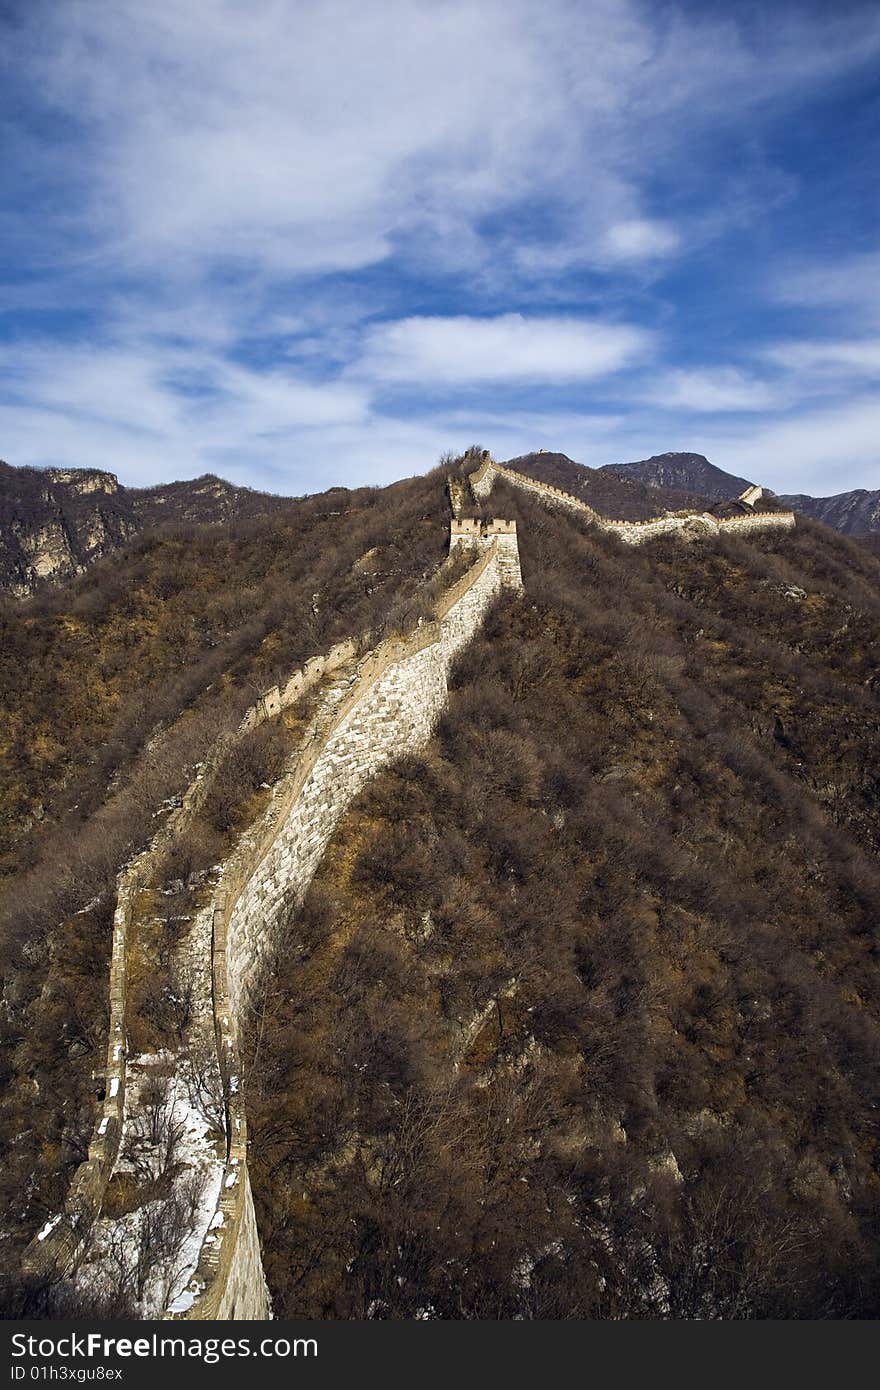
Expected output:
(619, 495)
(686, 472)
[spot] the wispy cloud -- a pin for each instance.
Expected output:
(820, 451)
(718, 390)
(846, 286)
(510, 348)
(834, 359)
(235, 228)
(141, 409)
(640, 239)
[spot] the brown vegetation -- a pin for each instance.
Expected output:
(112, 690)
(581, 1017)
(582, 1014)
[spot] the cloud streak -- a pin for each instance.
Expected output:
(462, 351)
(236, 229)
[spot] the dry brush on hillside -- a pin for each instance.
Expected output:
(582, 1016)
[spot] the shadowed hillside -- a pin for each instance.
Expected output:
(113, 689)
(582, 1016)
(854, 513)
(608, 491)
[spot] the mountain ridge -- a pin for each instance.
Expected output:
(655, 1043)
(56, 522)
(853, 513)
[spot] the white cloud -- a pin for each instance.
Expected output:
(847, 358)
(509, 348)
(640, 239)
(819, 451)
(849, 284)
(211, 161)
(330, 135)
(714, 390)
(150, 412)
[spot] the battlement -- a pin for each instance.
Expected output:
(375, 710)
(686, 525)
(470, 528)
(378, 707)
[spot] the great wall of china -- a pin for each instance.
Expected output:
(685, 524)
(373, 711)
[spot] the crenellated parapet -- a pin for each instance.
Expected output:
(468, 533)
(687, 525)
(372, 710)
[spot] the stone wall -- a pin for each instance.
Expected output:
(686, 524)
(273, 701)
(383, 709)
(483, 480)
(468, 533)
(760, 521)
(375, 710)
(56, 1248)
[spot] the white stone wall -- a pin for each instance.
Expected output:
(393, 715)
(686, 524)
(761, 521)
(244, 1296)
(386, 709)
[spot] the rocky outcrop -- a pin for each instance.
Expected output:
(691, 473)
(56, 522)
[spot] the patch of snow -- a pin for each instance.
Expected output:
(521, 1274)
(183, 1302)
(49, 1227)
(113, 1257)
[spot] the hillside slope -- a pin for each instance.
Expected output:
(113, 689)
(691, 473)
(609, 492)
(581, 1017)
(855, 513)
(526, 1055)
(56, 522)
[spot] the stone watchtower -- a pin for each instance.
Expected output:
(482, 535)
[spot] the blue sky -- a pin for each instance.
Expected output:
(308, 242)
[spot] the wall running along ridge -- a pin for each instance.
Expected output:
(686, 524)
(385, 707)
(56, 1248)
(380, 709)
